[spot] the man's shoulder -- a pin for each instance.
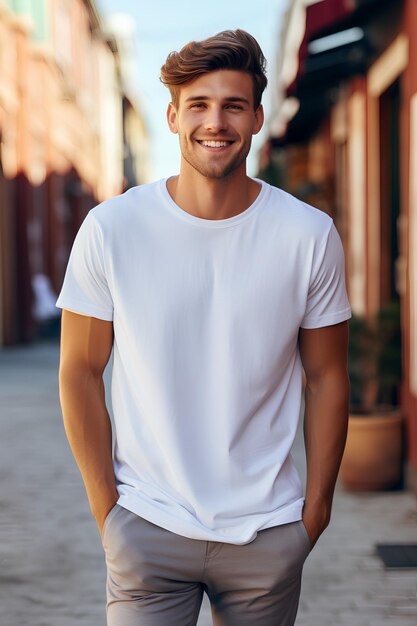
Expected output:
(298, 214)
(122, 206)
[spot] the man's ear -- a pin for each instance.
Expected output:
(172, 118)
(259, 120)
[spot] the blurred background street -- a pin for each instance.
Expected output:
(82, 118)
(52, 569)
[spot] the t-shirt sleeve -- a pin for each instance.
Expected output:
(327, 301)
(86, 289)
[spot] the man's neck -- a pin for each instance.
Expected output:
(213, 199)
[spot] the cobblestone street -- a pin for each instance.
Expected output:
(52, 567)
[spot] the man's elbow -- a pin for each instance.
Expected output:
(76, 380)
(333, 382)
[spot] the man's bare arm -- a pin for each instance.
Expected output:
(86, 344)
(324, 357)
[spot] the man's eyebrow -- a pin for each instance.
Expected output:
(192, 98)
(237, 99)
(228, 99)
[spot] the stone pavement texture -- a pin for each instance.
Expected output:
(52, 569)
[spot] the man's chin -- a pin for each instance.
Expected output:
(214, 171)
(217, 173)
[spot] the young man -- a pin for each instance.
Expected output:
(214, 289)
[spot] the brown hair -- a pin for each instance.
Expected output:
(228, 50)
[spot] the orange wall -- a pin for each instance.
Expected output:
(410, 88)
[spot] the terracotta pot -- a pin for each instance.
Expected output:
(373, 455)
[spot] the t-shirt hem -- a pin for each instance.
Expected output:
(327, 320)
(84, 309)
(186, 528)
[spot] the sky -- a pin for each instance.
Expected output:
(166, 25)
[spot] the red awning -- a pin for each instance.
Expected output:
(320, 17)
(324, 14)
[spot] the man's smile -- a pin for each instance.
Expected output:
(213, 143)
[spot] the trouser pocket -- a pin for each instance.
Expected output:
(108, 519)
(305, 534)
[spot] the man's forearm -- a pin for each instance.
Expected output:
(88, 428)
(325, 428)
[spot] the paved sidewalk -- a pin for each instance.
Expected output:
(51, 563)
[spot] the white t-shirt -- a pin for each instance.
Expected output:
(207, 376)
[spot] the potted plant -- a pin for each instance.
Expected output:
(373, 453)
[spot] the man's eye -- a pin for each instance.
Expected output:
(235, 107)
(197, 105)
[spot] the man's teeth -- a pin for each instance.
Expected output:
(215, 144)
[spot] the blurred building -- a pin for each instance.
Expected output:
(343, 137)
(122, 29)
(65, 122)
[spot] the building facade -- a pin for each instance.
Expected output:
(62, 145)
(343, 136)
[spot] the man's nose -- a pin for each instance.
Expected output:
(215, 119)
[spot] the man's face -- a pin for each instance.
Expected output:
(215, 121)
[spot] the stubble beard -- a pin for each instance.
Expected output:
(215, 171)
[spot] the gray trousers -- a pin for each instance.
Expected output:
(157, 578)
